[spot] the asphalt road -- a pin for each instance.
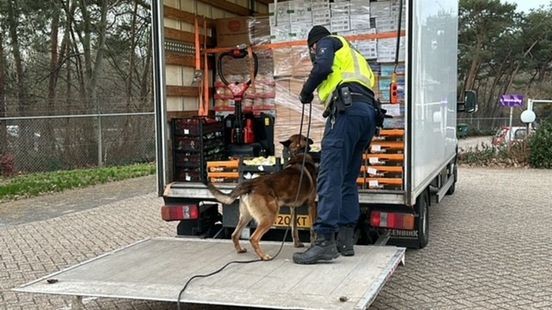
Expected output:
(489, 243)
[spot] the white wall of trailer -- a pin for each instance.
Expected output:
(434, 38)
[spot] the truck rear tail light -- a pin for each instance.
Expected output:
(179, 212)
(392, 220)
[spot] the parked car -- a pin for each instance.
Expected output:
(503, 135)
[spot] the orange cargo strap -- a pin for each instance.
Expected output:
(204, 111)
(197, 47)
(251, 63)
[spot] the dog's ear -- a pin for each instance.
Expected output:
(310, 141)
(286, 143)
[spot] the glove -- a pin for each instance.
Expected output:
(306, 98)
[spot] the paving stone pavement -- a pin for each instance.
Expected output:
(49, 206)
(489, 246)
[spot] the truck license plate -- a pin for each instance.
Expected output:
(284, 220)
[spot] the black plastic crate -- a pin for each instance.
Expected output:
(196, 140)
(195, 160)
(196, 144)
(188, 175)
(196, 126)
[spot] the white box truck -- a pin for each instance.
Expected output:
(419, 150)
(424, 156)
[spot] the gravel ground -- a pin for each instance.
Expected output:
(489, 243)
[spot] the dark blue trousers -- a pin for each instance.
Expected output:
(343, 143)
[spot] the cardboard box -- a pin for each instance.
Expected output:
(386, 9)
(389, 24)
(232, 31)
(295, 87)
(278, 14)
(360, 7)
(369, 48)
(380, 9)
(280, 8)
(360, 22)
(281, 33)
(340, 9)
(348, 33)
(300, 31)
(321, 17)
(387, 48)
(340, 24)
(386, 70)
(320, 5)
(242, 30)
(302, 64)
(282, 62)
(300, 11)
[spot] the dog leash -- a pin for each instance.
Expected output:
(287, 228)
(302, 170)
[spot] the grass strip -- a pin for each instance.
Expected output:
(35, 184)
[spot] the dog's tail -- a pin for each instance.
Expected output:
(240, 189)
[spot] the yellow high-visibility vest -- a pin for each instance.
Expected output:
(348, 66)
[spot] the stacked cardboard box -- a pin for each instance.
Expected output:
(340, 12)
(383, 164)
(347, 17)
(368, 48)
(234, 31)
(321, 14)
(279, 21)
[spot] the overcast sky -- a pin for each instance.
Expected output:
(527, 5)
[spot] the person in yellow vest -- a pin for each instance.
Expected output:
(343, 80)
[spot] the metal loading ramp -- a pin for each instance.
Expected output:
(156, 269)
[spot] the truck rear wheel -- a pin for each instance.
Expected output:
(422, 221)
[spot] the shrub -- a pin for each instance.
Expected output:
(541, 146)
(515, 155)
(480, 155)
(7, 165)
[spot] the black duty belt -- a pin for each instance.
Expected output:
(369, 99)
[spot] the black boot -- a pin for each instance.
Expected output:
(345, 240)
(323, 249)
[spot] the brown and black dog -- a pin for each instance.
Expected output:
(296, 144)
(262, 197)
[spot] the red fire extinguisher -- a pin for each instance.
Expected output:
(248, 134)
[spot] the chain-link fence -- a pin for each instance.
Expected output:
(60, 142)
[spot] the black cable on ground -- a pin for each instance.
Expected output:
(287, 228)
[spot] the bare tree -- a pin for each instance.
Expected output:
(12, 18)
(93, 67)
(3, 132)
